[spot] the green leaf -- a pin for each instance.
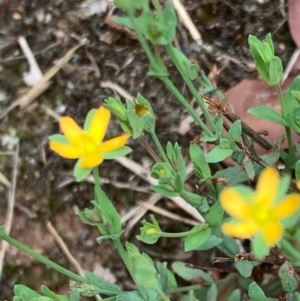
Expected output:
(88, 119)
(257, 52)
(59, 138)
(194, 199)
(110, 216)
(259, 246)
(218, 154)
(275, 71)
(244, 267)
(233, 175)
(26, 292)
(291, 102)
(190, 274)
(48, 293)
(75, 295)
(214, 240)
(123, 151)
(199, 162)
(212, 293)
(235, 131)
(256, 293)
(289, 278)
(228, 246)
(105, 287)
(170, 20)
(270, 43)
(130, 296)
(266, 113)
(215, 215)
(199, 234)
(235, 296)
(81, 173)
(166, 193)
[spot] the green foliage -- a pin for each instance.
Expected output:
(268, 65)
(155, 28)
(198, 235)
(289, 278)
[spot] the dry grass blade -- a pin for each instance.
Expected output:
(10, 207)
(44, 83)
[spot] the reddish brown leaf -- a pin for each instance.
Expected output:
(294, 20)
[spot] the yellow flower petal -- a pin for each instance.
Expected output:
(244, 229)
(272, 232)
(71, 130)
(267, 187)
(91, 160)
(235, 204)
(287, 207)
(99, 124)
(66, 151)
(113, 144)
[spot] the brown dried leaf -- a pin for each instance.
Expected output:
(294, 20)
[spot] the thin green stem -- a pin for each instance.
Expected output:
(155, 67)
(41, 258)
(182, 289)
(159, 146)
(190, 84)
(117, 241)
(287, 128)
(169, 84)
(175, 235)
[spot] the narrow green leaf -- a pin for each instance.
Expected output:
(244, 267)
(166, 193)
(170, 20)
(88, 119)
(256, 293)
(59, 138)
(74, 295)
(235, 296)
(189, 274)
(212, 293)
(275, 71)
(199, 162)
(228, 246)
(218, 154)
(81, 173)
(197, 238)
(289, 278)
(123, 151)
(215, 215)
(266, 113)
(110, 215)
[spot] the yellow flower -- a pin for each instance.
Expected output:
(87, 145)
(261, 212)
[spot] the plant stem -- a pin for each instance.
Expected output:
(117, 241)
(175, 235)
(159, 146)
(182, 289)
(41, 258)
(163, 76)
(197, 96)
(287, 128)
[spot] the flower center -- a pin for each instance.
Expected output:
(262, 215)
(88, 143)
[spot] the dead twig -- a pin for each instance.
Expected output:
(44, 83)
(10, 207)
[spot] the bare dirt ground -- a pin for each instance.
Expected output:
(45, 188)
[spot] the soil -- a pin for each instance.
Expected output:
(45, 186)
